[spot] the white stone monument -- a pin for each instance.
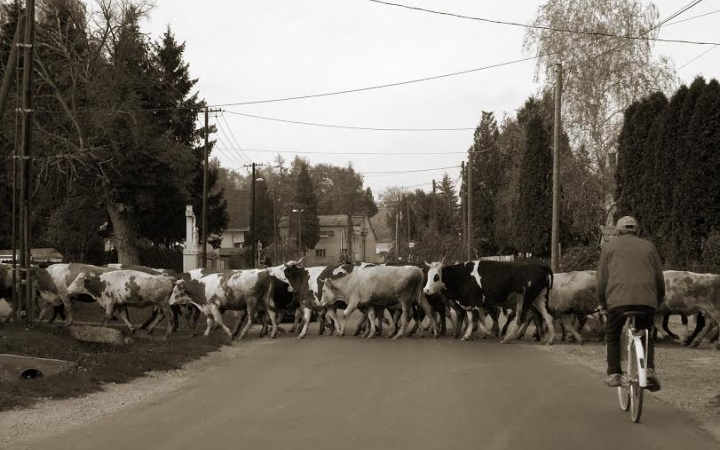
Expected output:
(190, 254)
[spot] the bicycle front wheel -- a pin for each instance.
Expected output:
(636, 392)
(624, 397)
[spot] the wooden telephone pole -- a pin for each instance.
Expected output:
(554, 252)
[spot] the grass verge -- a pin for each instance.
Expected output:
(96, 363)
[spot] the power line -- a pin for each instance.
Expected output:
(692, 18)
(300, 152)
(539, 27)
(409, 171)
(697, 57)
(233, 138)
(348, 127)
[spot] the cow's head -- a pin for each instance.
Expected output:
(179, 294)
(434, 283)
(87, 284)
(329, 292)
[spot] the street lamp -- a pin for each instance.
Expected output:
(299, 211)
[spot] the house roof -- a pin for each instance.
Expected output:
(238, 209)
(337, 220)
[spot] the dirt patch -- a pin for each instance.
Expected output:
(52, 417)
(690, 377)
(94, 364)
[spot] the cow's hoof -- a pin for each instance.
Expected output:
(504, 341)
(370, 336)
(695, 344)
(549, 343)
(302, 336)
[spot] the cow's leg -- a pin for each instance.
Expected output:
(666, 328)
(406, 313)
(699, 325)
(515, 324)
(68, 310)
(470, 326)
(321, 321)
(371, 321)
(272, 314)
(455, 320)
(307, 312)
(299, 312)
(352, 306)
(332, 313)
(509, 320)
(217, 314)
(248, 324)
(125, 318)
(210, 321)
(151, 319)
(361, 326)
(240, 318)
(547, 318)
(427, 309)
(495, 316)
(574, 331)
(380, 314)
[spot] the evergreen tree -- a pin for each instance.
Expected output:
(700, 208)
(485, 160)
(535, 214)
(306, 200)
(446, 206)
(683, 180)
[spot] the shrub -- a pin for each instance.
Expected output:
(580, 258)
(711, 248)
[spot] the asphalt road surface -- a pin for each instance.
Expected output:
(415, 393)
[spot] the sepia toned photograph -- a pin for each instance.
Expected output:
(359, 224)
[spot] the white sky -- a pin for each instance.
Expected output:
(245, 50)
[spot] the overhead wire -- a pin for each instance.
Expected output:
(222, 116)
(240, 156)
(539, 27)
(302, 152)
(696, 58)
(349, 127)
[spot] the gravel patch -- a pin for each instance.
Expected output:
(52, 417)
(690, 378)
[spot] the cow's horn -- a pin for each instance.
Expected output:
(442, 262)
(299, 263)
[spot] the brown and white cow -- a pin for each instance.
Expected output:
(381, 286)
(126, 288)
(689, 293)
(52, 286)
(573, 294)
(238, 290)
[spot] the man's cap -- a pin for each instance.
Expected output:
(627, 223)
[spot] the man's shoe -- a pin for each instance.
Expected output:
(614, 380)
(653, 383)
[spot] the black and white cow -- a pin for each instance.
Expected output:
(477, 284)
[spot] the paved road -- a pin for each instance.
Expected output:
(350, 393)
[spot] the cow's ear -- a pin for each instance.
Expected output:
(180, 283)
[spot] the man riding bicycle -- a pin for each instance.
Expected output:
(629, 278)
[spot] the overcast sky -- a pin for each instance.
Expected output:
(243, 50)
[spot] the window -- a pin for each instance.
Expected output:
(320, 253)
(326, 233)
(238, 245)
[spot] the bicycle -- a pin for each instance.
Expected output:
(634, 379)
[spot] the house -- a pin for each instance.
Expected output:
(333, 243)
(238, 228)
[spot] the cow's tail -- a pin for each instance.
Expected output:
(550, 279)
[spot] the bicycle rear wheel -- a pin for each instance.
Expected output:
(636, 392)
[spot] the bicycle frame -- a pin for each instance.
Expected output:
(636, 339)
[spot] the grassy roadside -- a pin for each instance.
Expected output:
(96, 363)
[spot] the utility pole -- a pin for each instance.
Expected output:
(397, 228)
(206, 169)
(275, 236)
(470, 206)
(556, 173)
(203, 239)
(434, 223)
(25, 152)
(463, 204)
(252, 217)
(409, 226)
(11, 63)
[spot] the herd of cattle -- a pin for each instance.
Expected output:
(388, 296)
